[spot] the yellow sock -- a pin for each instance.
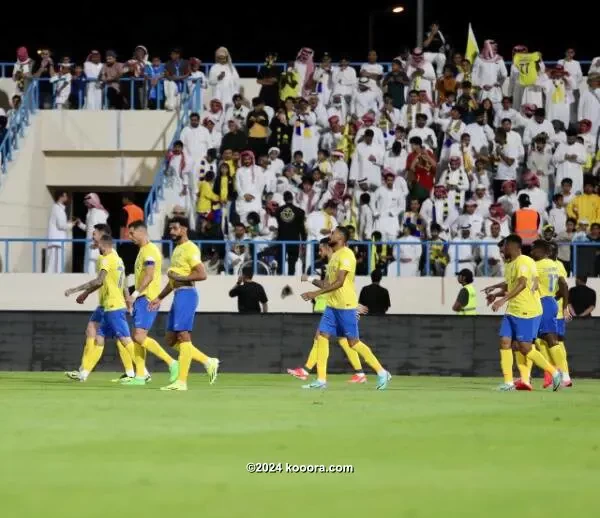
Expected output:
(198, 355)
(140, 361)
(312, 357)
(93, 357)
(352, 355)
(365, 351)
(540, 361)
(87, 349)
(185, 360)
(506, 364)
(564, 349)
(558, 358)
(322, 357)
(543, 348)
(524, 365)
(154, 347)
(126, 357)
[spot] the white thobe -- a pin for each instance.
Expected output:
(453, 130)
(62, 89)
(533, 129)
(365, 101)
(476, 222)
(424, 82)
(270, 179)
(510, 203)
(249, 180)
(339, 171)
(481, 136)
(570, 169)
(483, 206)
(589, 108)
(574, 68)
(362, 167)
(557, 217)
(460, 251)
(482, 178)
(534, 94)
(330, 141)
(489, 74)
(541, 163)
(338, 110)
(285, 184)
(224, 89)
(514, 140)
(92, 218)
(538, 198)
(409, 255)
(427, 135)
(389, 204)
(432, 211)
(489, 249)
(391, 117)
(408, 114)
(365, 222)
(324, 83)
(396, 163)
(58, 228)
(307, 201)
(559, 109)
(504, 226)
(315, 222)
(305, 136)
(344, 81)
(321, 113)
(196, 143)
(505, 171)
(378, 136)
(239, 114)
(93, 89)
(460, 179)
(515, 117)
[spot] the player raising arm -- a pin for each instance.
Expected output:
(185, 270)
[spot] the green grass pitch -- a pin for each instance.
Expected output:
(427, 447)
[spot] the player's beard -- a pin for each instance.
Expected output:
(176, 239)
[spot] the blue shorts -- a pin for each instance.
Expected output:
(342, 323)
(183, 310)
(143, 318)
(561, 328)
(115, 324)
(550, 309)
(520, 329)
(97, 315)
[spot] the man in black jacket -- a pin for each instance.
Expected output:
(235, 139)
(291, 223)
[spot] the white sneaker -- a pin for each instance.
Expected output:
(212, 369)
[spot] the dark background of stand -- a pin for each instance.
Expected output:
(437, 345)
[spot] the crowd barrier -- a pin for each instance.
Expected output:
(270, 257)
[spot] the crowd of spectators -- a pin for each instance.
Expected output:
(444, 148)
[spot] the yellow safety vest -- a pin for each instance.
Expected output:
(320, 304)
(471, 307)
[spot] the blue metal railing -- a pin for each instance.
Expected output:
(270, 257)
(7, 67)
(15, 130)
(191, 105)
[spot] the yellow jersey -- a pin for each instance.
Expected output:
(149, 255)
(526, 64)
(185, 257)
(344, 297)
(547, 277)
(526, 304)
(111, 292)
(562, 272)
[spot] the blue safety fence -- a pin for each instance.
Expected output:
(17, 122)
(6, 68)
(272, 257)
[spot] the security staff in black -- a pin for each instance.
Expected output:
(291, 222)
(466, 302)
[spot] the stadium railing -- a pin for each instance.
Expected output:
(269, 257)
(18, 121)
(6, 68)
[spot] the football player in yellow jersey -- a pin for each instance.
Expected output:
(114, 300)
(550, 286)
(523, 314)
(148, 271)
(340, 316)
(95, 322)
(185, 270)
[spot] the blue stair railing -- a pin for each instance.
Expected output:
(192, 103)
(15, 131)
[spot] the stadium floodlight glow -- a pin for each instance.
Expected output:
(398, 9)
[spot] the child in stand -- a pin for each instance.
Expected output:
(62, 85)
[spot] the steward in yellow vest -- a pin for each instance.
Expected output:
(466, 301)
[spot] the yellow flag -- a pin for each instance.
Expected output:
(472, 47)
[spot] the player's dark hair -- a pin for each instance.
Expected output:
(104, 228)
(181, 220)
(106, 239)
(324, 241)
(376, 275)
(247, 272)
(288, 197)
(541, 245)
(345, 232)
(553, 250)
(137, 224)
(436, 226)
(514, 238)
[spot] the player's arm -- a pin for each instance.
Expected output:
(88, 287)
(335, 285)
(319, 283)
(147, 277)
(155, 304)
(563, 293)
(520, 285)
(198, 273)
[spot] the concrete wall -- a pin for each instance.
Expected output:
(409, 296)
(458, 346)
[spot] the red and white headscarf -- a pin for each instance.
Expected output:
(305, 56)
(530, 179)
(92, 201)
(520, 49)
(489, 54)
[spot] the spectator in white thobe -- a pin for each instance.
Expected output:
(508, 112)
(344, 80)
(197, 141)
(409, 112)
(379, 138)
(420, 73)
(538, 125)
(224, 78)
(367, 161)
(483, 200)
(589, 104)
(537, 197)
(560, 95)
(249, 184)
(389, 203)
(426, 133)
(320, 224)
(58, 228)
(366, 218)
(488, 253)
(93, 90)
(460, 251)
(365, 99)
(96, 215)
(456, 180)
(569, 159)
(489, 73)
(482, 134)
(408, 254)
(307, 198)
(438, 209)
